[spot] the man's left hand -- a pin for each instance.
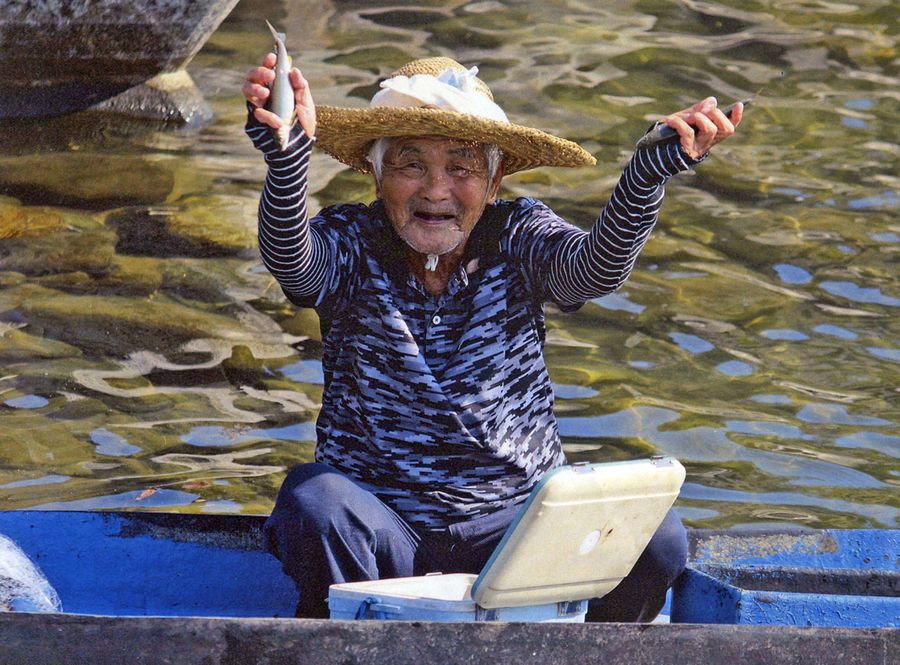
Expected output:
(712, 126)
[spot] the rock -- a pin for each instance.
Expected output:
(17, 346)
(242, 368)
(116, 325)
(60, 56)
(85, 181)
(133, 276)
(170, 97)
(220, 225)
(88, 251)
(304, 322)
(19, 222)
(201, 227)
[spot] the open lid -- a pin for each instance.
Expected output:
(580, 532)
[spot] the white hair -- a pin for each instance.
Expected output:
(492, 154)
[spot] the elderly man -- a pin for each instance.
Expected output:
(437, 415)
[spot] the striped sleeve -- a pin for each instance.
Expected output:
(294, 253)
(571, 266)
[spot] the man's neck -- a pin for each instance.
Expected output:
(435, 281)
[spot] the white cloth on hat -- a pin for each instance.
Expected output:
(451, 90)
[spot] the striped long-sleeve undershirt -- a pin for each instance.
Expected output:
(585, 265)
(599, 262)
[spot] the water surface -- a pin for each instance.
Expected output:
(149, 362)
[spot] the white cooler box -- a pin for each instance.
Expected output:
(579, 533)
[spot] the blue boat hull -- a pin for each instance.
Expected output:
(154, 564)
(161, 564)
(167, 588)
(828, 578)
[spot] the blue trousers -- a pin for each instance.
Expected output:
(326, 529)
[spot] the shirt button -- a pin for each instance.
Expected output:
(435, 319)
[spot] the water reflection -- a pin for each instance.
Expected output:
(43, 480)
(564, 391)
(836, 331)
(887, 354)
(837, 414)
(772, 399)
(735, 368)
(304, 371)
(784, 335)
(619, 302)
(217, 437)
(878, 514)
(27, 402)
(883, 443)
(110, 443)
(691, 343)
(135, 500)
(799, 465)
(853, 291)
(756, 341)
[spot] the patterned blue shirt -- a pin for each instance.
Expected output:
(442, 406)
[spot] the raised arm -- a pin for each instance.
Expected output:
(296, 256)
(579, 266)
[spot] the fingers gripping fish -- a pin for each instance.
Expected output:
(281, 98)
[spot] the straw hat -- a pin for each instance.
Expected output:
(347, 133)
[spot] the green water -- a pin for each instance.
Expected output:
(147, 360)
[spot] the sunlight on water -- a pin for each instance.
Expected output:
(148, 362)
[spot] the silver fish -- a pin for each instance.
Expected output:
(663, 133)
(281, 98)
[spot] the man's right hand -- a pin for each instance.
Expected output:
(256, 90)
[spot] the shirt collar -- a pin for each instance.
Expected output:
(483, 242)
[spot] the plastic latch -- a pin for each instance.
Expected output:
(571, 607)
(373, 608)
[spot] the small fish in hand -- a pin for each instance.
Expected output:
(663, 133)
(281, 99)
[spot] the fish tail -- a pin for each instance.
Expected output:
(279, 36)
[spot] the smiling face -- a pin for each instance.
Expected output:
(434, 191)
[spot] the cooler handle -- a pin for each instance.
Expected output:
(373, 608)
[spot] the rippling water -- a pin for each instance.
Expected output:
(148, 361)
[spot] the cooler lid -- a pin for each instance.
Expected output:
(579, 533)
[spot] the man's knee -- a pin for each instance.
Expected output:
(310, 505)
(312, 493)
(642, 594)
(668, 548)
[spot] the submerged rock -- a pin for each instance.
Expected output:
(18, 346)
(19, 222)
(170, 97)
(85, 181)
(242, 368)
(116, 325)
(202, 227)
(133, 276)
(71, 250)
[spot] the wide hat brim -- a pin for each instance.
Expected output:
(347, 134)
